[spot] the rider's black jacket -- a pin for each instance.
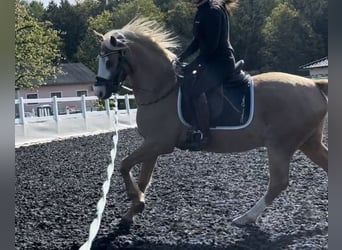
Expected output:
(211, 35)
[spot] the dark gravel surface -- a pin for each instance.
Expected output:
(189, 205)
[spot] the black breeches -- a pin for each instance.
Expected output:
(212, 75)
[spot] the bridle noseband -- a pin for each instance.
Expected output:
(114, 84)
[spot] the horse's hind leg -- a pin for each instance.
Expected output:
(316, 150)
(279, 162)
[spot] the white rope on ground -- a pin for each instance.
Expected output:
(95, 225)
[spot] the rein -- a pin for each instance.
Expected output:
(121, 75)
(166, 94)
(151, 92)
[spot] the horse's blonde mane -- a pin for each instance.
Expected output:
(155, 32)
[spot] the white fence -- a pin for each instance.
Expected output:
(48, 126)
(55, 100)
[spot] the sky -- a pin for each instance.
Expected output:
(46, 2)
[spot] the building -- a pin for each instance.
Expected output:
(317, 69)
(76, 80)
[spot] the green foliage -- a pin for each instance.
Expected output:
(165, 6)
(36, 9)
(316, 13)
(108, 20)
(125, 12)
(89, 47)
(246, 24)
(71, 22)
(100, 104)
(264, 39)
(289, 40)
(36, 49)
(180, 19)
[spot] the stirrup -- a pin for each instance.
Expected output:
(196, 141)
(197, 132)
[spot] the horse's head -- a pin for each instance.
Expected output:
(140, 49)
(112, 65)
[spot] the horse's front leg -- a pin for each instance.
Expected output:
(145, 175)
(147, 155)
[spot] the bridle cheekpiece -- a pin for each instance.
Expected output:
(115, 83)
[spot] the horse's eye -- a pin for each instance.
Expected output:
(108, 64)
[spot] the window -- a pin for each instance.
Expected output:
(57, 94)
(32, 96)
(81, 92)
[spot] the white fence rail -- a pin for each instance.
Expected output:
(55, 100)
(47, 126)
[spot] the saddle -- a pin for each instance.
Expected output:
(230, 104)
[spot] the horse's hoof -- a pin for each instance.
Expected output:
(125, 224)
(139, 208)
(243, 221)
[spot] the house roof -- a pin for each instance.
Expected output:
(73, 73)
(320, 63)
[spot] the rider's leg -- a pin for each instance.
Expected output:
(202, 120)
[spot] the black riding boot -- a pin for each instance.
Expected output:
(201, 136)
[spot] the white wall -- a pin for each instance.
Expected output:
(319, 72)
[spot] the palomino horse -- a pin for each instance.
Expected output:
(289, 112)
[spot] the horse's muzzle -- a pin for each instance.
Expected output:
(107, 88)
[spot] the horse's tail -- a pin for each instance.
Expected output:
(322, 84)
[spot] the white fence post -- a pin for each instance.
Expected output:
(128, 108)
(116, 103)
(84, 110)
(107, 106)
(83, 106)
(21, 110)
(55, 108)
(55, 112)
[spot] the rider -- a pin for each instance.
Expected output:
(215, 60)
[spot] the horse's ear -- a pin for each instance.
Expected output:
(100, 36)
(113, 41)
(117, 42)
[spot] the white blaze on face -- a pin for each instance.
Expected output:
(102, 71)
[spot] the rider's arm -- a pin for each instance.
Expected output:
(192, 48)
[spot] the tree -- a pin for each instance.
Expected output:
(316, 13)
(67, 19)
(89, 47)
(179, 19)
(108, 20)
(289, 40)
(126, 11)
(246, 24)
(165, 6)
(267, 34)
(36, 9)
(36, 49)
